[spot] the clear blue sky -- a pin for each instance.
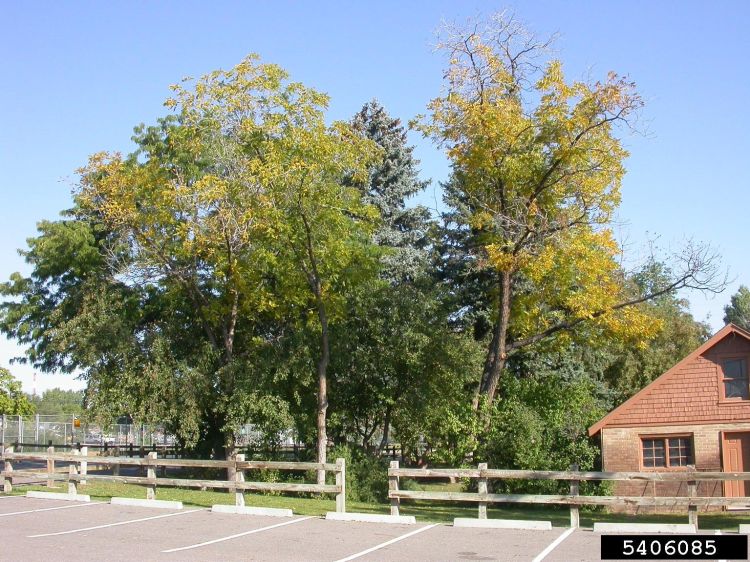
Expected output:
(76, 77)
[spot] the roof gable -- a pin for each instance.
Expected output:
(665, 377)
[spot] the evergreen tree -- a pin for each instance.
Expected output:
(738, 311)
(392, 181)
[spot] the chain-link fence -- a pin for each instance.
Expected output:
(66, 430)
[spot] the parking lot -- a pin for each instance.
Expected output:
(45, 530)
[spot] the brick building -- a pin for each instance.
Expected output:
(698, 412)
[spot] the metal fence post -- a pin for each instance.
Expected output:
(393, 487)
(239, 476)
(341, 483)
(574, 490)
(482, 490)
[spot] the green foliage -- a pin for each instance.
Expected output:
(182, 263)
(366, 475)
(542, 424)
(738, 311)
(58, 402)
(635, 366)
(12, 399)
(399, 367)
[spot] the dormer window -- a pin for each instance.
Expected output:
(734, 379)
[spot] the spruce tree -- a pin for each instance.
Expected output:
(392, 181)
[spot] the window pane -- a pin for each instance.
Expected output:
(734, 369)
(653, 453)
(736, 388)
(680, 451)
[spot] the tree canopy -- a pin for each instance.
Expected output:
(537, 167)
(251, 262)
(58, 402)
(12, 399)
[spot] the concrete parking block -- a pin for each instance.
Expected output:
(680, 528)
(58, 496)
(502, 524)
(371, 518)
(159, 504)
(249, 510)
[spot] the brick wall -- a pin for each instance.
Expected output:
(621, 452)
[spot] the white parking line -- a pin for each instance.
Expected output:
(230, 537)
(50, 508)
(387, 543)
(6, 497)
(113, 524)
(543, 554)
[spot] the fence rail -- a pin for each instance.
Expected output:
(483, 475)
(79, 463)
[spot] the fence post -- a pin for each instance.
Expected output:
(692, 492)
(73, 471)
(341, 483)
(116, 467)
(2, 436)
(482, 489)
(151, 474)
(50, 467)
(7, 467)
(84, 464)
(393, 487)
(574, 513)
(239, 476)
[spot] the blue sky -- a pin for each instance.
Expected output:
(76, 77)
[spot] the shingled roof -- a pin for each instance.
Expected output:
(639, 408)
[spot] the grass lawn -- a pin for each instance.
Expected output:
(434, 512)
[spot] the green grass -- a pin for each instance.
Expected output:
(433, 512)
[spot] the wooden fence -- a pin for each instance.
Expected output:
(78, 465)
(483, 475)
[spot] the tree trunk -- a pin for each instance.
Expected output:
(322, 383)
(489, 363)
(386, 429)
(496, 355)
(314, 281)
(230, 450)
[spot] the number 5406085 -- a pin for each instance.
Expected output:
(670, 547)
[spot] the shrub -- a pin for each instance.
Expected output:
(366, 475)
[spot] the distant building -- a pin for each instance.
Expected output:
(697, 413)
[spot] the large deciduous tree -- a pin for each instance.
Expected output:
(538, 167)
(172, 275)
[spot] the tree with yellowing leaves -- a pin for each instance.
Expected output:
(538, 166)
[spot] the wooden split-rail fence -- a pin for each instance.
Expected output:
(78, 465)
(483, 475)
